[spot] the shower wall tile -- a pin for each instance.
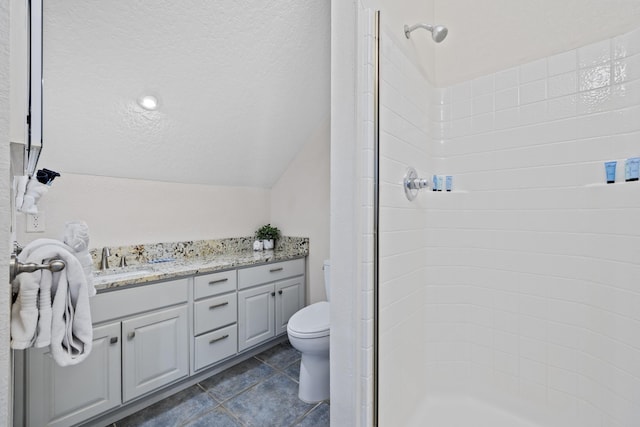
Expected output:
(562, 84)
(507, 79)
(562, 63)
(594, 54)
(507, 98)
(483, 86)
(543, 255)
(626, 44)
(409, 107)
(462, 91)
(532, 71)
(364, 329)
(533, 92)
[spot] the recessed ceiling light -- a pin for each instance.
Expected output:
(148, 102)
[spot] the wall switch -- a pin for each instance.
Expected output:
(35, 223)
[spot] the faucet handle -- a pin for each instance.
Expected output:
(123, 261)
(104, 263)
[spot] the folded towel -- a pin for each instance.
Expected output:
(76, 235)
(34, 191)
(24, 311)
(53, 308)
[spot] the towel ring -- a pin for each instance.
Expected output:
(16, 267)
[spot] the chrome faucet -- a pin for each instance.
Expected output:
(104, 263)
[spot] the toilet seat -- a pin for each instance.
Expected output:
(310, 322)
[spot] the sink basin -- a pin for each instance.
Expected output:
(114, 277)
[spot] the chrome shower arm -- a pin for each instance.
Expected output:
(409, 29)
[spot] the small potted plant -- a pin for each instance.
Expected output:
(267, 234)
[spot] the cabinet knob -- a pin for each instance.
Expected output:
(280, 292)
(131, 335)
(113, 340)
(273, 294)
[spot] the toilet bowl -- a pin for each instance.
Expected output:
(308, 331)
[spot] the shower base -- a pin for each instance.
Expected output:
(463, 411)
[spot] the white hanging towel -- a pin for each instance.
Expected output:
(82, 255)
(53, 308)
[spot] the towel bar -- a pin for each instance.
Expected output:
(16, 267)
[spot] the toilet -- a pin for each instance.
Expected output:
(308, 331)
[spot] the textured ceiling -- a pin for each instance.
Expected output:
(242, 86)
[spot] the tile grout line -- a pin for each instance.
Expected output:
(303, 416)
(241, 391)
(220, 404)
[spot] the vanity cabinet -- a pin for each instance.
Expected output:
(155, 351)
(269, 295)
(133, 353)
(147, 338)
(256, 311)
(58, 396)
(289, 299)
(215, 313)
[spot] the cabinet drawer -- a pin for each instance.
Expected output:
(214, 284)
(212, 313)
(126, 302)
(215, 346)
(269, 273)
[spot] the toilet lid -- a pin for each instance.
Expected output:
(310, 322)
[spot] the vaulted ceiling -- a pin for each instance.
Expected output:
(241, 86)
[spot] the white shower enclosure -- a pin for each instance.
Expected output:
(514, 299)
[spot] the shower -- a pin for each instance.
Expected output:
(438, 32)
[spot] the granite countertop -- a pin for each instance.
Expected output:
(178, 267)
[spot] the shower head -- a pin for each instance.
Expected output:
(438, 32)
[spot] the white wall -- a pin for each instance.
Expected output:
(492, 35)
(123, 211)
(5, 218)
(300, 205)
(533, 260)
(347, 331)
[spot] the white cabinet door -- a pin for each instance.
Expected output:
(155, 351)
(255, 315)
(289, 299)
(60, 396)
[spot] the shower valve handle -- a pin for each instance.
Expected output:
(417, 183)
(412, 183)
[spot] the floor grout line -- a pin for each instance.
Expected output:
(221, 404)
(303, 416)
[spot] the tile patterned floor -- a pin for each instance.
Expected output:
(261, 392)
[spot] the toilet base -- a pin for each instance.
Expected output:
(314, 378)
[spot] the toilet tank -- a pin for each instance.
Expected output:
(327, 275)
